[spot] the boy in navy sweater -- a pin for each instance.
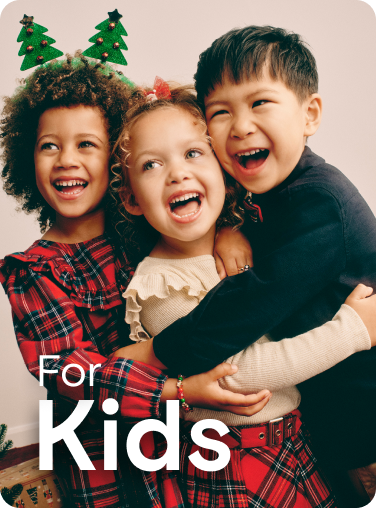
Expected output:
(313, 235)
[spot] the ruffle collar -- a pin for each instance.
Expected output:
(157, 277)
(88, 271)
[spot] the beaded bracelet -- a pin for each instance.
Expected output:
(179, 386)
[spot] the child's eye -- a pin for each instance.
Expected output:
(218, 113)
(150, 165)
(86, 144)
(259, 103)
(192, 154)
(49, 146)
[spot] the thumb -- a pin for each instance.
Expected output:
(361, 291)
(221, 370)
(220, 266)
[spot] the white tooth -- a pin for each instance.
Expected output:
(252, 152)
(257, 151)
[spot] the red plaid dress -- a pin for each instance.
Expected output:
(65, 301)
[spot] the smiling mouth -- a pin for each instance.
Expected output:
(186, 205)
(70, 186)
(253, 158)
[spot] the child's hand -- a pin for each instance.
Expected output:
(140, 352)
(203, 390)
(365, 307)
(231, 252)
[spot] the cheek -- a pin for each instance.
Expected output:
(41, 176)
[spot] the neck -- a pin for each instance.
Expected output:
(78, 229)
(172, 248)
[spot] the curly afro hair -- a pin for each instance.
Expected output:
(67, 83)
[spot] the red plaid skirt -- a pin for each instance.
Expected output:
(280, 476)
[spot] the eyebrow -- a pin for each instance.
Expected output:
(81, 134)
(224, 101)
(154, 152)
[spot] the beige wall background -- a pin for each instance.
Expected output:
(165, 38)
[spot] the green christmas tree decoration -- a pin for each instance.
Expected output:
(10, 495)
(108, 43)
(4, 445)
(35, 45)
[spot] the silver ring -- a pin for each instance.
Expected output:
(245, 268)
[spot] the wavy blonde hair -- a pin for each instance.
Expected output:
(141, 237)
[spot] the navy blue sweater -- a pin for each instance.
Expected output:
(317, 241)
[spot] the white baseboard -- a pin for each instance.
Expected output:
(23, 435)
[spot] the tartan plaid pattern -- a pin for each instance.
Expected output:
(281, 476)
(65, 301)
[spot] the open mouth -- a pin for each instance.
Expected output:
(186, 205)
(70, 186)
(253, 158)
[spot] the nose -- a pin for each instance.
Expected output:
(67, 158)
(178, 172)
(242, 126)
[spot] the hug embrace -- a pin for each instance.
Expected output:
(193, 233)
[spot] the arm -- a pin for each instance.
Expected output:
(46, 323)
(278, 365)
(308, 253)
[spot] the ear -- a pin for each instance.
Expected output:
(313, 114)
(132, 207)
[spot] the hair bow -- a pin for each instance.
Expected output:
(161, 90)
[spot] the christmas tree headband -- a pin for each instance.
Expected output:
(107, 47)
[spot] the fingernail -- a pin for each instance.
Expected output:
(234, 367)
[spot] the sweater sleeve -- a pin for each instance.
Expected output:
(46, 323)
(277, 365)
(308, 254)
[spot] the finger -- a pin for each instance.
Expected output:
(361, 291)
(251, 410)
(238, 399)
(220, 266)
(222, 370)
(231, 266)
(249, 261)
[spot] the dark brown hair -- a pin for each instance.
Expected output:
(242, 54)
(67, 83)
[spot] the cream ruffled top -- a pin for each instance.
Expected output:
(164, 290)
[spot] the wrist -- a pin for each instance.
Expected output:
(169, 391)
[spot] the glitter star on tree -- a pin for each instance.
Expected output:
(36, 47)
(108, 43)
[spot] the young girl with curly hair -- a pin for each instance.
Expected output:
(58, 131)
(174, 193)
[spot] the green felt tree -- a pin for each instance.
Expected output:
(35, 45)
(109, 41)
